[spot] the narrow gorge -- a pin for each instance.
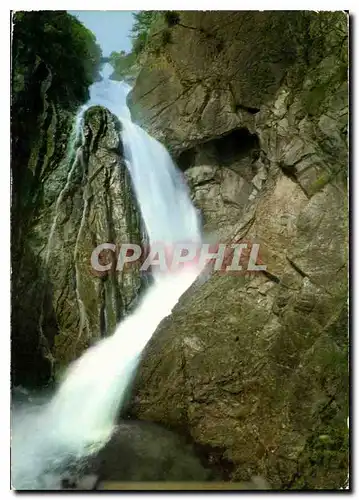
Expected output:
(219, 128)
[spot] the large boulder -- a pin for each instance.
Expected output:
(95, 205)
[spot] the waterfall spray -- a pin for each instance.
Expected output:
(81, 416)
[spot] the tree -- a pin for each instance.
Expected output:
(144, 20)
(142, 32)
(63, 44)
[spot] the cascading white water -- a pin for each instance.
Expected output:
(160, 188)
(80, 417)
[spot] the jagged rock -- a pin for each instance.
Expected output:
(259, 179)
(220, 193)
(220, 173)
(98, 208)
(256, 365)
(232, 66)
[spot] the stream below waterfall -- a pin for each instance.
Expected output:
(79, 419)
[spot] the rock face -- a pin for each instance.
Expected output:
(95, 206)
(224, 174)
(255, 366)
(232, 64)
(75, 198)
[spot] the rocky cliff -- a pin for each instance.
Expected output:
(69, 194)
(254, 107)
(60, 304)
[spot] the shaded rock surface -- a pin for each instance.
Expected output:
(256, 364)
(137, 452)
(141, 451)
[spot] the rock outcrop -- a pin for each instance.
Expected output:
(75, 198)
(254, 107)
(54, 60)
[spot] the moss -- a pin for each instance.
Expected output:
(171, 18)
(319, 183)
(313, 99)
(326, 457)
(324, 461)
(110, 310)
(324, 179)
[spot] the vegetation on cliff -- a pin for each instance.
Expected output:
(54, 60)
(124, 64)
(67, 48)
(149, 26)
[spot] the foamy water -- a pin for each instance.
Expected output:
(80, 417)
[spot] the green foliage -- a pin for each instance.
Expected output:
(63, 44)
(144, 21)
(52, 53)
(122, 64)
(150, 29)
(139, 43)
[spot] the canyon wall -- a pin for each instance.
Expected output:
(254, 367)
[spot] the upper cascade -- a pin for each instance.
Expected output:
(80, 418)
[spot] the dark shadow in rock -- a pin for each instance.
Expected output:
(31, 312)
(143, 451)
(236, 144)
(225, 150)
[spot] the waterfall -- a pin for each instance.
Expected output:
(159, 187)
(80, 417)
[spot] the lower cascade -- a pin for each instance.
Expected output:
(80, 417)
